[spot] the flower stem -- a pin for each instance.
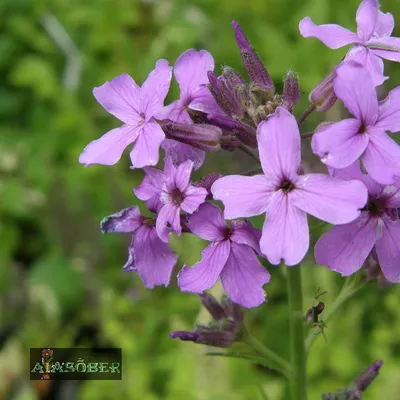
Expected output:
(298, 382)
(306, 113)
(246, 150)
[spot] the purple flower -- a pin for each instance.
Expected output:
(151, 188)
(345, 248)
(190, 71)
(284, 195)
(150, 257)
(136, 108)
(371, 42)
(230, 256)
(177, 194)
(339, 144)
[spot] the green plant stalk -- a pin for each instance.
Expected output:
(298, 382)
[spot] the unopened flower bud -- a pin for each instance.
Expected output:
(231, 77)
(252, 62)
(201, 136)
(206, 182)
(368, 376)
(291, 90)
(209, 337)
(323, 95)
(213, 306)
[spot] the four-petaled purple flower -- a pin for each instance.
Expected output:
(284, 195)
(149, 256)
(230, 256)
(190, 71)
(136, 107)
(177, 194)
(345, 248)
(339, 144)
(372, 41)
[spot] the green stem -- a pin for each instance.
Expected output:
(269, 354)
(306, 113)
(298, 383)
(348, 290)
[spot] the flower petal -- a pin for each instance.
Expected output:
(244, 233)
(243, 196)
(127, 220)
(109, 148)
(366, 17)
(285, 232)
(194, 196)
(353, 85)
(389, 112)
(345, 247)
(147, 146)
(391, 196)
(243, 277)
(331, 35)
(151, 184)
(391, 43)
(154, 260)
(330, 199)
(191, 69)
(370, 61)
(121, 98)
(339, 144)
(155, 89)
(168, 220)
(204, 274)
(353, 172)
(181, 152)
(202, 100)
(279, 146)
(182, 175)
(208, 223)
(384, 25)
(388, 250)
(382, 158)
(175, 112)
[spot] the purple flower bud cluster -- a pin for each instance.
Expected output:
(359, 196)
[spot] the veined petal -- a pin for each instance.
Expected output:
(382, 158)
(243, 277)
(392, 45)
(353, 172)
(168, 220)
(147, 146)
(151, 184)
(120, 97)
(155, 89)
(329, 199)
(243, 196)
(345, 247)
(384, 25)
(208, 223)
(244, 233)
(339, 144)
(391, 195)
(204, 274)
(388, 250)
(389, 112)
(202, 100)
(182, 175)
(127, 220)
(285, 233)
(366, 17)
(354, 86)
(370, 61)
(191, 69)
(154, 260)
(279, 146)
(331, 35)
(109, 148)
(181, 152)
(175, 112)
(194, 196)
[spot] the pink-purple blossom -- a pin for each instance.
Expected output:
(372, 42)
(149, 256)
(345, 248)
(190, 71)
(339, 144)
(284, 195)
(136, 107)
(230, 256)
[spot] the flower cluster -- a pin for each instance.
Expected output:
(360, 194)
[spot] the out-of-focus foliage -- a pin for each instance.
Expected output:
(60, 281)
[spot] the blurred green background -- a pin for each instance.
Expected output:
(61, 283)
